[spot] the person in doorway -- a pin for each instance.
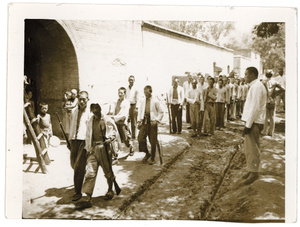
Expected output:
(77, 137)
(254, 118)
(100, 132)
(119, 113)
(132, 95)
(149, 115)
(176, 98)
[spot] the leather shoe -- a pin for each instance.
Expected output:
(76, 197)
(147, 156)
(109, 195)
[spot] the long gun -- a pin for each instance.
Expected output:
(63, 131)
(170, 122)
(159, 152)
(117, 188)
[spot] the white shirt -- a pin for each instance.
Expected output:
(132, 94)
(255, 105)
(81, 134)
(180, 94)
(281, 80)
(123, 113)
(156, 112)
(187, 86)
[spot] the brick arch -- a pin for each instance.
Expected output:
(50, 62)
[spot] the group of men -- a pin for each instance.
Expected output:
(209, 102)
(95, 137)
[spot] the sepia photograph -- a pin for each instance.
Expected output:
(153, 116)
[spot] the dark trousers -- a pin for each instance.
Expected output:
(147, 130)
(220, 111)
(124, 133)
(228, 111)
(201, 117)
(133, 119)
(187, 113)
(78, 163)
(176, 116)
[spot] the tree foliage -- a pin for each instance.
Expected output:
(210, 31)
(269, 41)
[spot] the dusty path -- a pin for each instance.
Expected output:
(203, 184)
(198, 181)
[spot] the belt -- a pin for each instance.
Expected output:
(132, 104)
(97, 143)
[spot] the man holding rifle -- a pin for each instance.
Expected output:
(77, 137)
(101, 131)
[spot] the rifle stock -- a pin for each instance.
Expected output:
(63, 131)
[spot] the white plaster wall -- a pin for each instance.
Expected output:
(166, 55)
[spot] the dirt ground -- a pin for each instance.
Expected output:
(198, 181)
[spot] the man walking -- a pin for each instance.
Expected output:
(101, 130)
(119, 113)
(176, 98)
(150, 114)
(254, 118)
(132, 95)
(77, 136)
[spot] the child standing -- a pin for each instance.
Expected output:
(44, 120)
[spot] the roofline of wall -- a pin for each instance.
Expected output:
(180, 34)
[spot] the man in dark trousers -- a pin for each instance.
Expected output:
(79, 118)
(176, 98)
(187, 86)
(132, 95)
(149, 115)
(254, 118)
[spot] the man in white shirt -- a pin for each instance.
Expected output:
(201, 87)
(194, 99)
(119, 113)
(187, 86)
(176, 98)
(79, 118)
(254, 118)
(271, 85)
(281, 79)
(150, 114)
(132, 95)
